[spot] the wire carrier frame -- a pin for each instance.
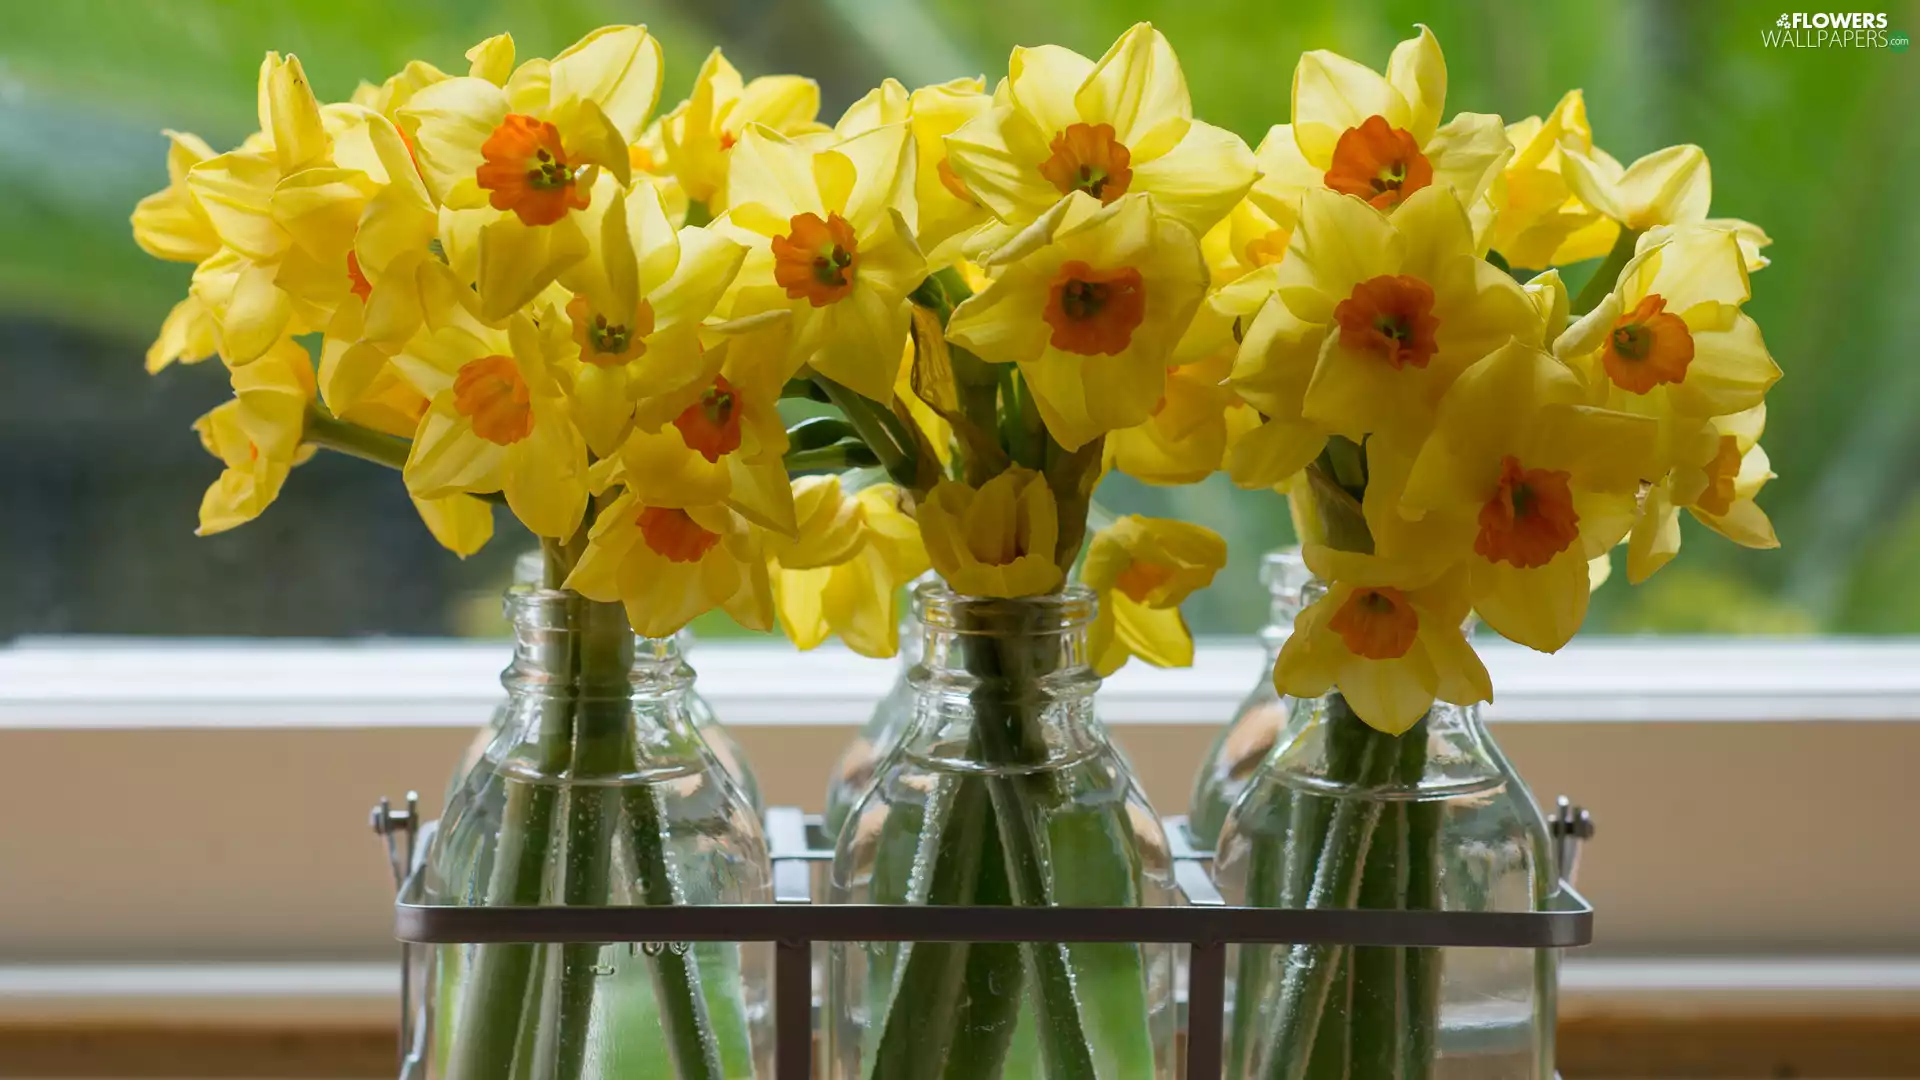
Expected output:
(793, 923)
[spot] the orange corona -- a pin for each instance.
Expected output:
(1139, 579)
(526, 171)
(1377, 623)
(1379, 163)
(1392, 317)
(712, 424)
(1095, 312)
(818, 260)
(357, 282)
(1530, 518)
(1086, 157)
(674, 535)
(607, 344)
(490, 392)
(1648, 346)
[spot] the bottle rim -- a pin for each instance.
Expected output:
(938, 607)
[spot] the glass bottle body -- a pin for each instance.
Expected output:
(597, 791)
(1263, 719)
(1433, 819)
(1005, 791)
(861, 758)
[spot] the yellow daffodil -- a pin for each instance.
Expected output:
(1671, 338)
(497, 421)
(1379, 138)
(257, 436)
(648, 159)
(638, 301)
(995, 541)
(1061, 123)
(284, 215)
(701, 132)
(1539, 222)
(1255, 234)
(1374, 317)
(719, 441)
(1527, 483)
(947, 212)
(843, 572)
(1186, 438)
(1387, 634)
(668, 565)
(1090, 301)
(169, 223)
(827, 244)
(1719, 467)
(1142, 569)
(532, 149)
(1670, 186)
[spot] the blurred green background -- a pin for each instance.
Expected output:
(100, 478)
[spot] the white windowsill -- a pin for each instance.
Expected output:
(124, 683)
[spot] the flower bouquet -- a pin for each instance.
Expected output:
(519, 286)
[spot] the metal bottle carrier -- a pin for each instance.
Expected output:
(793, 923)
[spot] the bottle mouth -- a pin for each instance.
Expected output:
(1284, 572)
(938, 607)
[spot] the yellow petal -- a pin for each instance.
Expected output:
(461, 523)
(1043, 82)
(544, 475)
(292, 115)
(618, 68)
(1540, 608)
(517, 261)
(1419, 72)
(1138, 88)
(492, 59)
(1157, 635)
(1200, 178)
(1331, 94)
(799, 597)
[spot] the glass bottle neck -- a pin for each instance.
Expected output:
(564, 641)
(1003, 682)
(1286, 577)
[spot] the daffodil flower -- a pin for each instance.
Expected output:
(841, 575)
(1387, 634)
(947, 211)
(635, 313)
(257, 436)
(997, 540)
(1527, 482)
(1379, 138)
(1185, 439)
(717, 441)
(497, 421)
(284, 214)
(1255, 234)
(1090, 301)
(1373, 318)
(669, 565)
(1142, 569)
(827, 244)
(1539, 222)
(531, 150)
(700, 133)
(1671, 340)
(1719, 467)
(1061, 124)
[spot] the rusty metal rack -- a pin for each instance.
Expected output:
(793, 923)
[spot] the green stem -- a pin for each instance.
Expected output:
(1604, 275)
(878, 428)
(1422, 894)
(499, 1008)
(1363, 758)
(922, 1020)
(836, 458)
(356, 441)
(1007, 717)
(601, 750)
(989, 1009)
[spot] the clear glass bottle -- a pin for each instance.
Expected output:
(597, 791)
(1006, 791)
(529, 571)
(854, 770)
(1434, 819)
(1260, 723)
